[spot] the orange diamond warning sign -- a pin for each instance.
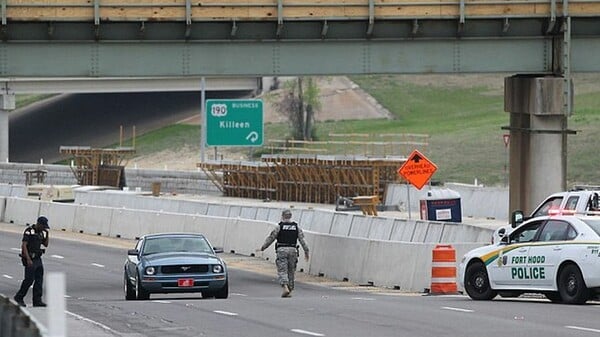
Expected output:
(417, 169)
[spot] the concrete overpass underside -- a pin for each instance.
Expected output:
(100, 39)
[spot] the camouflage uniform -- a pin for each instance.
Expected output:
(286, 249)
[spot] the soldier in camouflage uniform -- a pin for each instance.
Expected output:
(287, 234)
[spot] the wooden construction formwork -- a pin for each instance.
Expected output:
(322, 179)
(242, 179)
(99, 167)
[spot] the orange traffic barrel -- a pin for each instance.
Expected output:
(443, 270)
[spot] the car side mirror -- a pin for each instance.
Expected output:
(516, 218)
(501, 232)
(218, 250)
(133, 252)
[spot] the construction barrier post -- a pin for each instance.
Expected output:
(443, 270)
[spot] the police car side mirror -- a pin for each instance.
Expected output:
(218, 250)
(133, 252)
(516, 218)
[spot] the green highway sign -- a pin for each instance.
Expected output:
(234, 122)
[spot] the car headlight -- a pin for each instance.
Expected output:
(150, 271)
(217, 268)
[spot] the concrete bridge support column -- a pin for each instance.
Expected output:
(538, 138)
(7, 103)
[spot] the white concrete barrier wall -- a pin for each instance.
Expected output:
(2, 207)
(61, 216)
(21, 211)
(403, 230)
(13, 190)
(338, 257)
(341, 224)
(93, 220)
(361, 226)
(214, 228)
(321, 221)
(193, 207)
(381, 228)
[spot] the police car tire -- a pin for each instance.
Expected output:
(140, 293)
(477, 282)
(571, 285)
(129, 291)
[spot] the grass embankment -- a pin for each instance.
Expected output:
(464, 121)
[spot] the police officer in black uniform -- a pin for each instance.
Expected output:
(31, 255)
(287, 234)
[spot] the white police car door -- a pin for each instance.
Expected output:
(511, 266)
(544, 258)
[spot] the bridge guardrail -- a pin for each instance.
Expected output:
(310, 10)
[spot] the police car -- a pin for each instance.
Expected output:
(555, 255)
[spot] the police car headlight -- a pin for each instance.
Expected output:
(217, 268)
(150, 271)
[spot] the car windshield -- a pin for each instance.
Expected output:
(176, 244)
(594, 224)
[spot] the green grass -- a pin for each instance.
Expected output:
(24, 100)
(464, 123)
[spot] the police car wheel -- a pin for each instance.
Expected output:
(571, 285)
(129, 291)
(477, 283)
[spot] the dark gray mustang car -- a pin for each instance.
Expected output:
(174, 263)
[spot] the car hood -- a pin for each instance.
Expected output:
(181, 258)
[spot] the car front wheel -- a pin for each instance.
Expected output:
(571, 286)
(477, 283)
(223, 292)
(129, 291)
(140, 292)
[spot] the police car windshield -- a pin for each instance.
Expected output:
(594, 224)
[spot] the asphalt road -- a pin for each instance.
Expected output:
(37, 131)
(94, 286)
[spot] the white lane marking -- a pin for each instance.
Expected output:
(161, 301)
(67, 296)
(582, 328)
(457, 309)
(304, 332)
(57, 256)
(98, 324)
(227, 313)
(7, 276)
(363, 299)
(98, 265)
(16, 249)
(238, 294)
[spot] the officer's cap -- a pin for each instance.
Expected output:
(43, 221)
(286, 214)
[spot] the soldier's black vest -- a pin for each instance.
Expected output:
(288, 235)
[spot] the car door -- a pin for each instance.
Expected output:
(510, 267)
(544, 257)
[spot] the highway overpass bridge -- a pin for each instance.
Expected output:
(542, 41)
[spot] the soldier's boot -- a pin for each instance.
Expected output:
(286, 290)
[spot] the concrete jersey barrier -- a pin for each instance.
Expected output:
(334, 256)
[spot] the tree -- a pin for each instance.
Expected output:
(299, 103)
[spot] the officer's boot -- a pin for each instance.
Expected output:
(286, 290)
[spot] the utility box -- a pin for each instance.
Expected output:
(441, 205)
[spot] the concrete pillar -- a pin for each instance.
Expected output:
(538, 138)
(7, 103)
